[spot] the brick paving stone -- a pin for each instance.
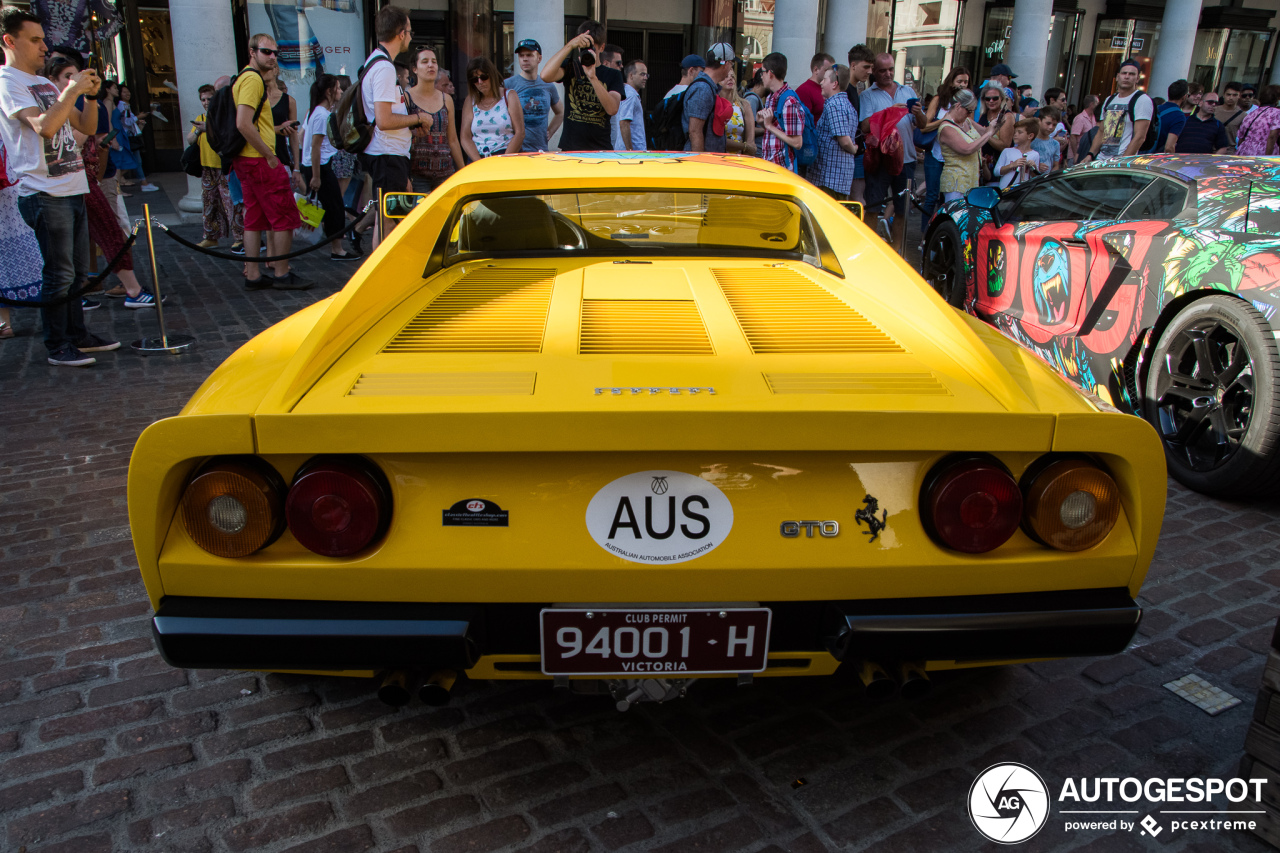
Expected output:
(228, 761)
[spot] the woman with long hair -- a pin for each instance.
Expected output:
(995, 111)
(317, 154)
(929, 121)
(127, 158)
(740, 129)
(104, 229)
(437, 155)
(492, 118)
(961, 141)
(1257, 134)
(284, 113)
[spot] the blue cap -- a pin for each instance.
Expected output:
(528, 44)
(693, 61)
(1002, 70)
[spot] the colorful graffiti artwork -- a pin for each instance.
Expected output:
(1041, 283)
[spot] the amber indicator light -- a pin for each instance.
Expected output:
(234, 506)
(1072, 505)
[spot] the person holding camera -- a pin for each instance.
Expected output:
(593, 91)
(37, 129)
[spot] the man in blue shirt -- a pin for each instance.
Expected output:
(543, 111)
(1172, 118)
(1203, 133)
(704, 132)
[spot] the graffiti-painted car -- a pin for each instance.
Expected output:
(1148, 281)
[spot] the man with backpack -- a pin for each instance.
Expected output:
(268, 196)
(1127, 117)
(386, 158)
(783, 117)
(882, 185)
(699, 120)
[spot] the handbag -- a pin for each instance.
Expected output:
(309, 232)
(190, 159)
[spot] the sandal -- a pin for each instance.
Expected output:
(6, 331)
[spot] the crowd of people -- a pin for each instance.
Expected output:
(71, 141)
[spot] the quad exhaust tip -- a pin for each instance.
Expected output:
(395, 689)
(398, 688)
(437, 689)
(909, 677)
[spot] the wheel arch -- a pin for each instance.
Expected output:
(1144, 345)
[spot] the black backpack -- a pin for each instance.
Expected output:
(349, 129)
(225, 138)
(1153, 128)
(665, 123)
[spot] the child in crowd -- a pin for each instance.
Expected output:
(1049, 149)
(1019, 161)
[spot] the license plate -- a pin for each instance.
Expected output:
(652, 642)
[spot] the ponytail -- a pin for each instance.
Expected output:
(323, 83)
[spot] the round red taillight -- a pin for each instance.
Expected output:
(338, 505)
(971, 505)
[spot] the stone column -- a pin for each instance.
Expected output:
(795, 36)
(1177, 42)
(543, 21)
(846, 26)
(1029, 42)
(204, 49)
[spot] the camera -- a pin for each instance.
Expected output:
(587, 58)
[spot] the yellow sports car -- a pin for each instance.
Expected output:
(626, 421)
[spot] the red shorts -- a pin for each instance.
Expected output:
(268, 198)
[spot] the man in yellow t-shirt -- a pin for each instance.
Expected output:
(221, 216)
(268, 197)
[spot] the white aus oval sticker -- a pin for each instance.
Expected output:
(659, 517)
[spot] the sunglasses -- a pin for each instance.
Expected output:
(267, 51)
(477, 78)
(992, 100)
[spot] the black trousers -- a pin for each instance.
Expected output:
(330, 198)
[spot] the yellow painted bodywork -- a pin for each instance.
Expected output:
(286, 395)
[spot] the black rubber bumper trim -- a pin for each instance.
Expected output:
(1071, 623)
(202, 633)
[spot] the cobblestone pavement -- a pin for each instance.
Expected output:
(105, 747)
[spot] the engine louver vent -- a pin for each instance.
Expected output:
(442, 384)
(642, 326)
(781, 311)
(920, 384)
(488, 310)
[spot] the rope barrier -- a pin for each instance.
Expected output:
(92, 284)
(323, 241)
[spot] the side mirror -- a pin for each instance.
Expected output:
(855, 207)
(400, 205)
(983, 198)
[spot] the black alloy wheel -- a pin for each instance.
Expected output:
(943, 263)
(1212, 396)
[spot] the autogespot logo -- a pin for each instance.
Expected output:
(1008, 803)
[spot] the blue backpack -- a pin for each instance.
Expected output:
(808, 151)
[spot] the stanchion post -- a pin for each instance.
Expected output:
(381, 236)
(166, 343)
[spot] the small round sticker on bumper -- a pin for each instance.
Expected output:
(659, 517)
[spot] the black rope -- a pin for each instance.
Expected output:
(323, 241)
(75, 294)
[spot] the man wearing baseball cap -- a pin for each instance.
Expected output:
(543, 111)
(702, 125)
(690, 67)
(1002, 77)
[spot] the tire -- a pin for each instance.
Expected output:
(1213, 395)
(943, 263)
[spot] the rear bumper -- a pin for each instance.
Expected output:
(263, 634)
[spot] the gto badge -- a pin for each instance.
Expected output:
(791, 529)
(659, 517)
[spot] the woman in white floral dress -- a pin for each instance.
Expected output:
(21, 264)
(492, 118)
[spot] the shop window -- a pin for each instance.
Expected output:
(930, 14)
(314, 37)
(1246, 55)
(995, 39)
(155, 97)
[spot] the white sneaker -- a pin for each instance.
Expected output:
(150, 188)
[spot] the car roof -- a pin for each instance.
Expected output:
(1195, 167)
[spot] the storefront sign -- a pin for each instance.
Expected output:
(325, 36)
(1136, 44)
(1118, 42)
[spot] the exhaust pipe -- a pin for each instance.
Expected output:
(913, 681)
(877, 682)
(394, 689)
(436, 689)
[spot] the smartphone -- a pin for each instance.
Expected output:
(110, 136)
(912, 103)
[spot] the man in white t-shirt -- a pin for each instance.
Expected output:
(386, 159)
(1120, 134)
(36, 126)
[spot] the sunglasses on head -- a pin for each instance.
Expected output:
(269, 51)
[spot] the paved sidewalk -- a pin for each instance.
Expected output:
(105, 747)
